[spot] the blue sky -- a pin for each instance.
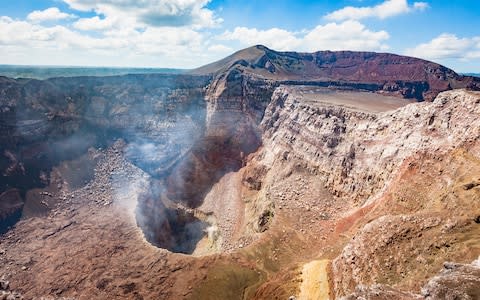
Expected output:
(189, 33)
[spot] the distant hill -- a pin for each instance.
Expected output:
(472, 74)
(413, 77)
(44, 72)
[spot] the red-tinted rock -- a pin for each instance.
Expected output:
(384, 72)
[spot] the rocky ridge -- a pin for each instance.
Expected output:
(380, 72)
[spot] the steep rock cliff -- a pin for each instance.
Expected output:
(356, 152)
(46, 122)
(408, 177)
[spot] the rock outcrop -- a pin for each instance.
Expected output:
(356, 152)
(455, 281)
(11, 204)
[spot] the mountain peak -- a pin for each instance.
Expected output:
(387, 71)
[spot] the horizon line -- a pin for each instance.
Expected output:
(88, 66)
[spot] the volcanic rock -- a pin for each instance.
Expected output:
(381, 72)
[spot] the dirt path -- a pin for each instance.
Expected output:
(315, 284)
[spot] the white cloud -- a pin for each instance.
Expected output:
(388, 8)
(218, 48)
(275, 38)
(157, 13)
(49, 14)
(21, 33)
(154, 46)
(24, 42)
(172, 42)
(421, 6)
(172, 33)
(349, 35)
(163, 33)
(94, 23)
(447, 46)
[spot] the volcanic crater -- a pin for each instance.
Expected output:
(266, 175)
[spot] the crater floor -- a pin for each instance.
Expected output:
(307, 213)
